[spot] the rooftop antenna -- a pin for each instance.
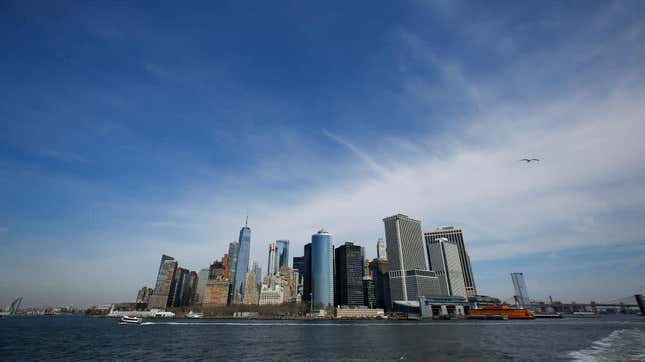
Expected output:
(246, 224)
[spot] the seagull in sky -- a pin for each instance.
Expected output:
(529, 160)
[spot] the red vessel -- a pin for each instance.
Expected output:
(511, 313)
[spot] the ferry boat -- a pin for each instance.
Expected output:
(511, 313)
(130, 320)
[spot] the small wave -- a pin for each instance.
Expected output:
(371, 323)
(619, 345)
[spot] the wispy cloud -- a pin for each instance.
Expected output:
(363, 156)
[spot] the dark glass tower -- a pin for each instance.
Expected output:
(306, 286)
(233, 250)
(349, 275)
(299, 265)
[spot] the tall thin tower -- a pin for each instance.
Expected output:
(381, 252)
(242, 267)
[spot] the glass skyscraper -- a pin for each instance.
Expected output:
(282, 255)
(242, 266)
(165, 277)
(322, 269)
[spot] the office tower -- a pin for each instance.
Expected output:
(202, 278)
(409, 276)
(271, 263)
(250, 289)
(306, 280)
(380, 249)
(455, 236)
(369, 292)
(290, 279)
(165, 276)
(282, 254)
(217, 287)
(179, 288)
(233, 249)
(443, 256)
(379, 272)
(192, 288)
(242, 266)
(521, 293)
(349, 275)
(299, 265)
(322, 269)
(144, 294)
(258, 275)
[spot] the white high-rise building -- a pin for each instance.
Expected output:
(381, 252)
(409, 275)
(444, 261)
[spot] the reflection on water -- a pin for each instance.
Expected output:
(80, 338)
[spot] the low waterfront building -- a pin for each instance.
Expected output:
(271, 294)
(359, 313)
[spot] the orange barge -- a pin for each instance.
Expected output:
(511, 313)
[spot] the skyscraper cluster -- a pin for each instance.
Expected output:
(409, 265)
(175, 286)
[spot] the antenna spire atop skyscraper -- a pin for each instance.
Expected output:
(246, 223)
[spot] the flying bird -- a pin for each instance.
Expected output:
(529, 160)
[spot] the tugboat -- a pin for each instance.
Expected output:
(130, 320)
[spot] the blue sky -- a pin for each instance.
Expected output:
(131, 130)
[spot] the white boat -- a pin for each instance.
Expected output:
(130, 320)
(585, 315)
(194, 315)
(163, 314)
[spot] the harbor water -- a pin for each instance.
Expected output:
(609, 338)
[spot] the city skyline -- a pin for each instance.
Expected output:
(133, 131)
